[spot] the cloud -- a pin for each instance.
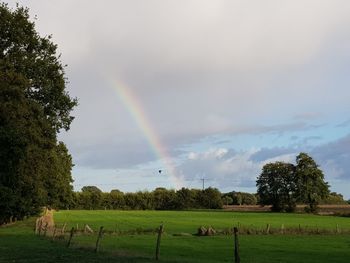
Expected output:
(203, 69)
(130, 147)
(226, 168)
(344, 124)
(334, 158)
(272, 153)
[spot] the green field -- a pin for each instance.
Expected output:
(189, 221)
(19, 244)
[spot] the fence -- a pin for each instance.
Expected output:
(75, 236)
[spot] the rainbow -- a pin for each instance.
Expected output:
(134, 107)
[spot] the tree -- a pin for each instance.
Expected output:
(116, 199)
(25, 52)
(91, 197)
(310, 182)
(164, 199)
(334, 199)
(209, 198)
(186, 198)
(277, 185)
(227, 200)
(240, 198)
(23, 149)
(35, 169)
(58, 184)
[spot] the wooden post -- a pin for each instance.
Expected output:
(98, 239)
(299, 228)
(160, 231)
(70, 237)
(54, 234)
(268, 229)
(64, 228)
(237, 258)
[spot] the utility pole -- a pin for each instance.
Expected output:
(203, 179)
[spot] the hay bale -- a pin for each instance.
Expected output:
(45, 222)
(210, 231)
(201, 231)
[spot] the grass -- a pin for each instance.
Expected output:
(19, 244)
(189, 221)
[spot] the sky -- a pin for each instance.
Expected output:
(202, 89)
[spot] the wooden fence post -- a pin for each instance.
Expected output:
(100, 233)
(160, 231)
(70, 237)
(63, 228)
(268, 229)
(282, 229)
(237, 258)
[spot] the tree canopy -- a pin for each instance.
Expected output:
(310, 180)
(277, 185)
(283, 185)
(35, 169)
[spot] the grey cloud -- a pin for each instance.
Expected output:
(344, 124)
(334, 158)
(269, 153)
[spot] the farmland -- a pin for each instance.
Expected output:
(189, 221)
(130, 237)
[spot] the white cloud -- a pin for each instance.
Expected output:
(222, 167)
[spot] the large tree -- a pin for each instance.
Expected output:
(35, 169)
(310, 180)
(277, 185)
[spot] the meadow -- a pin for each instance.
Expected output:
(130, 237)
(189, 221)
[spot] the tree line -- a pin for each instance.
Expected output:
(93, 198)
